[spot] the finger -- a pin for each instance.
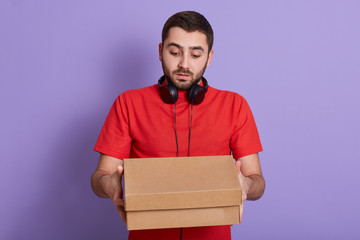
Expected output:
(243, 196)
(120, 170)
(238, 165)
(122, 213)
(117, 190)
(119, 202)
(241, 208)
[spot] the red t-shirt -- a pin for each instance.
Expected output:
(141, 125)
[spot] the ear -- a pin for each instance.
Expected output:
(160, 51)
(211, 53)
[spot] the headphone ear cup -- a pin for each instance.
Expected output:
(196, 94)
(169, 94)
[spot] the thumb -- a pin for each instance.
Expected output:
(120, 169)
(238, 165)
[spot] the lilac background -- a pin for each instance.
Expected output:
(62, 64)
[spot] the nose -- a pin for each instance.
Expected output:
(184, 62)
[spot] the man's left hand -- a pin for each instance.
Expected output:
(245, 183)
(250, 178)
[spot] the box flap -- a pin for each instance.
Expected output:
(180, 183)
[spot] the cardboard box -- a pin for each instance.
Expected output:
(181, 192)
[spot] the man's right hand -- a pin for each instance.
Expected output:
(106, 181)
(111, 185)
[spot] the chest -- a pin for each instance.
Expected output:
(160, 131)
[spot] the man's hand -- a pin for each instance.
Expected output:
(106, 181)
(111, 185)
(250, 178)
(245, 186)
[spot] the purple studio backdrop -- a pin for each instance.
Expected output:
(62, 64)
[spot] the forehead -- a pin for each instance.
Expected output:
(186, 39)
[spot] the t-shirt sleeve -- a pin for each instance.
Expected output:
(114, 139)
(245, 139)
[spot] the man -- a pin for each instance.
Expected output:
(179, 116)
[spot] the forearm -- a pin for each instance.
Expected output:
(96, 184)
(106, 180)
(257, 186)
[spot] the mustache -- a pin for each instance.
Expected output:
(183, 71)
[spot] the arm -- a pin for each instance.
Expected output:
(106, 181)
(250, 177)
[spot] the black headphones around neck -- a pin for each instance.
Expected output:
(169, 93)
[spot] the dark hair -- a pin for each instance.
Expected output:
(190, 21)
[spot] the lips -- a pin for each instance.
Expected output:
(182, 76)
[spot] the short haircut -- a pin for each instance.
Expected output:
(190, 21)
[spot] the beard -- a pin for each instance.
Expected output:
(182, 84)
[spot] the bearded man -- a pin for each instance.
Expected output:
(179, 116)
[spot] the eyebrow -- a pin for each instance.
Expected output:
(172, 44)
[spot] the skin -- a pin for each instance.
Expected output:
(106, 181)
(184, 57)
(250, 177)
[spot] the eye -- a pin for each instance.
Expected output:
(174, 53)
(195, 54)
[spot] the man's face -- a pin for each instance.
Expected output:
(184, 57)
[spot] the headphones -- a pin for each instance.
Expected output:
(169, 93)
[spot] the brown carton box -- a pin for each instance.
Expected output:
(181, 192)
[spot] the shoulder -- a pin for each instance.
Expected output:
(137, 94)
(141, 91)
(227, 96)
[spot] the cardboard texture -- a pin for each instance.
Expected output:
(181, 192)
